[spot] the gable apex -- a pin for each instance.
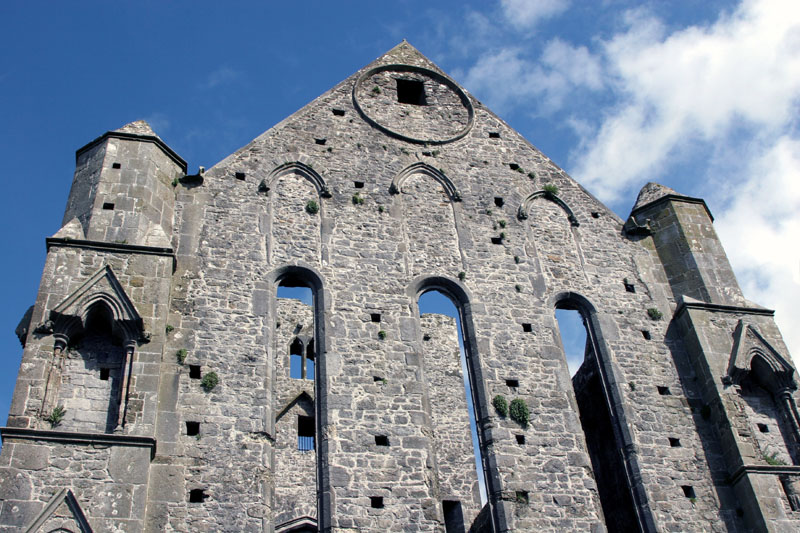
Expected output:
(61, 512)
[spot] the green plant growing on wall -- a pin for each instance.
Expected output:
(501, 223)
(381, 334)
(500, 405)
(462, 276)
(56, 416)
(169, 329)
(518, 410)
(550, 189)
(175, 182)
(381, 209)
(773, 459)
(531, 175)
(502, 235)
(312, 207)
(654, 314)
(376, 90)
(357, 199)
(516, 259)
(209, 381)
(181, 355)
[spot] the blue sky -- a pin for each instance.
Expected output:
(700, 96)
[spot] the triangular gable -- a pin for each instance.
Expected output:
(69, 316)
(748, 345)
(303, 523)
(62, 511)
(303, 395)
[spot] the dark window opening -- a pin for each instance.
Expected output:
(453, 516)
(376, 502)
(664, 391)
(426, 337)
(595, 214)
(513, 166)
(675, 443)
(310, 368)
(296, 359)
(494, 135)
(381, 440)
(498, 201)
(527, 328)
(688, 491)
(763, 428)
(497, 240)
(305, 433)
(240, 176)
(513, 383)
(375, 317)
(411, 92)
(192, 428)
(108, 206)
(358, 184)
(194, 372)
(338, 112)
(593, 402)
(377, 379)
(646, 334)
(320, 141)
(629, 286)
(104, 373)
(197, 496)
(520, 439)
(116, 165)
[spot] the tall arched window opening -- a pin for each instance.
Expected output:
(604, 444)
(295, 393)
(455, 432)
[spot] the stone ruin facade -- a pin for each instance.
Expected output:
(164, 386)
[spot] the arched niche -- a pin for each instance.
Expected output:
(294, 193)
(427, 201)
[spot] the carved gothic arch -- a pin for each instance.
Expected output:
(522, 212)
(427, 170)
(299, 168)
(68, 318)
(753, 355)
(63, 496)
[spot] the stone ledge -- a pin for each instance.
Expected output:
(677, 198)
(685, 305)
(85, 439)
(764, 469)
(135, 137)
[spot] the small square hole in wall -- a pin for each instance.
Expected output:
(194, 371)
(664, 391)
(197, 496)
(497, 240)
(522, 496)
(411, 92)
(381, 440)
(513, 383)
(426, 337)
(513, 166)
(595, 214)
(192, 428)
(646, 334)
(358, 184)
(376, 502)
(688, 491)
(498, 201)
(675, 443)
(377, 379)
(338, 112)
(520, 439)
(763, 428)
(320, 141)
(375, 317)
(629, 286)
(108, 206)
(527, 328)
(240, 176)
(116, 165)
(104, 372)
(494, 135)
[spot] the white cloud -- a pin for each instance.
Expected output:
(695, 84)
(525, 14)
(761, 233)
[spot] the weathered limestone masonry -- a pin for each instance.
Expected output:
(165, 387)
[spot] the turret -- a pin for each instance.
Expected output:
(122, 189)
(687, 245)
